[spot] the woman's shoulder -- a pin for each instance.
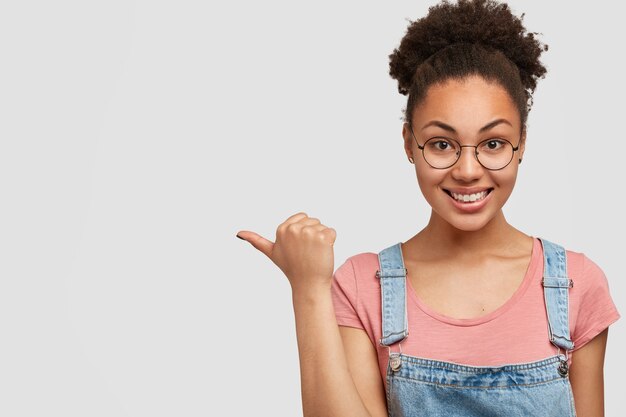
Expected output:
(359, 271)
(591, 290)
(356, 291)
(360, 265)
(592, 308)
(580, 268)
(364, 262)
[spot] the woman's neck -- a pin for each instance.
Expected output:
(440, 237)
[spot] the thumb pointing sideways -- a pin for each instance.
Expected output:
(258, 241)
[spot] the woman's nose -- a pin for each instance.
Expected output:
(467, 168)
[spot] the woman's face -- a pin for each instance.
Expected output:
(465, 106)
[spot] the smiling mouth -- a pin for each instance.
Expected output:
(469, 198)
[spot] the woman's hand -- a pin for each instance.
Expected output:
(303, 251)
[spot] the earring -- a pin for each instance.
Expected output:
(520, 160)
(410, 159)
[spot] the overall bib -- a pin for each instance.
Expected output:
(427, 387)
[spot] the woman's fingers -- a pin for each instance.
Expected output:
(294, 218)
(258, 241)
(290, 220)
(329, 233)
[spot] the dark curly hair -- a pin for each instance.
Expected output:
(472, 37)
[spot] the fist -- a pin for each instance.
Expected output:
(303, 251)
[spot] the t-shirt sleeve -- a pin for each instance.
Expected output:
(596, 309)
(345, 295)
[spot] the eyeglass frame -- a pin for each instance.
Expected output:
(421, 148)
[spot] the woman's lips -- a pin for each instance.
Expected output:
(470, 206)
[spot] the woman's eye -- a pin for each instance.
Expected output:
(493, 144)
(441, 145)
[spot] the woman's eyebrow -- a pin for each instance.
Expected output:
(451, 129)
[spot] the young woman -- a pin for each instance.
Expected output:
(469, 317)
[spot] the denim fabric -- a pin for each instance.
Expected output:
(427, 387)
(393, 289)
(556, 287)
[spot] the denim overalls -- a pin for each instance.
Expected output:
(427, 387)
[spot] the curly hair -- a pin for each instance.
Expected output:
(472, 37)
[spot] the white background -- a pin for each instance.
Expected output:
(137, 137)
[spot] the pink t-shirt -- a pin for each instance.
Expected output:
(516, 332)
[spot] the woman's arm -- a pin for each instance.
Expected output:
(587, 377)
(304, 252)
(363, 366)
(328, 388)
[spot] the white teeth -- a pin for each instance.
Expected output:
(470, 197)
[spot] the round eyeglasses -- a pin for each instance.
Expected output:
(440, 152)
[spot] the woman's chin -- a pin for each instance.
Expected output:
(469, 226)
(467, 222)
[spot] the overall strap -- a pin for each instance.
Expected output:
(392, 275)
(556, 285)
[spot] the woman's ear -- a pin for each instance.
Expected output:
(522, 145)
(408, 141)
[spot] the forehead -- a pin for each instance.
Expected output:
(468, 104)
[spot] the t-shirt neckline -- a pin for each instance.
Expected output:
(534, 263)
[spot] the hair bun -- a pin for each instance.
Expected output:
(485, 22)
